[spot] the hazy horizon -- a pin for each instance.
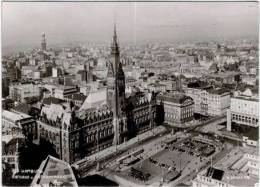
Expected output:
(66, 22)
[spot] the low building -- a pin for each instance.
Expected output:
(77, 99)
(56, 72)
(7, 104)
(61, 92)
(227, 77)
(28, 70)
(20, 91)
(197, 91)
(218, 101)
(178, 108)
(10, 145)
(156, 87)
(244, 113)
(13, 122)
(239, 170)
(249, 79)
(86, 88)
(209, 100)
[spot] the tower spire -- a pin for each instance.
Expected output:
(115, 36)
(44, 45)
(116, 91)
(115, 28)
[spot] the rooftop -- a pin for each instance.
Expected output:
(62, 87)
(252, 134)
(23, 107)
(14, 115)
(176, 98)
(156, 84)
(77, 97)
(53, 111)
(50, 100)
(234, 168)
(95, 99)
(218, 91)
(223, 74)
(54, 171)
(198, 85)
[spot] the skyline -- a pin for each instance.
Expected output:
(70, 22)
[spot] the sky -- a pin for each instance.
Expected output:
(65, 22)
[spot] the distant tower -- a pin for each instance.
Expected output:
(116, 91)
(44, 45)
(179, 83)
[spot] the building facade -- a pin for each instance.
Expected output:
(19, 123)
(197, 91)
(244, 112)
(178, 108)
(209, 100)
(218, 101)
(64, 91)
(20, 91)
(156, 87)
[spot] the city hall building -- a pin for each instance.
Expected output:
(105, 118)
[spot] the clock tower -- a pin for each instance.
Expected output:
(116, 91)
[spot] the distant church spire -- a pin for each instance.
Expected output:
(44, 45)
(115, 36)
(114, 46)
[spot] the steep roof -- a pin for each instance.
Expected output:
(53, 112)
(54, 171)
(95, 99)
(14, 115)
